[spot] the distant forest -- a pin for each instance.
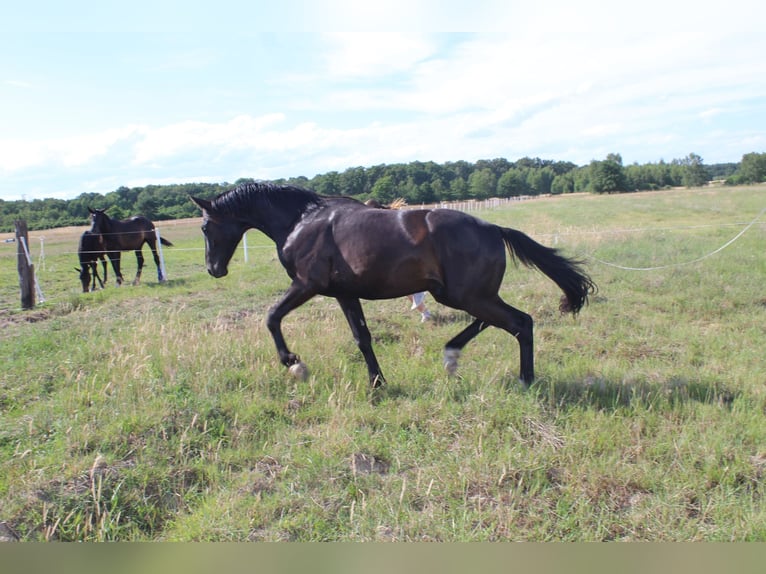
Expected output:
(417, 182)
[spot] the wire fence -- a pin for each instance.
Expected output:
(684, 263)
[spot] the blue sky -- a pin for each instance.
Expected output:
(96, 95)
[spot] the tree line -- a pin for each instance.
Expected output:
(417, 182)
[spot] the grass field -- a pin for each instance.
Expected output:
(160, 412)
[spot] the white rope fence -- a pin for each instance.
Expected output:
(683, 263)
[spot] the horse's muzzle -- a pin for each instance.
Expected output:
(217, 273)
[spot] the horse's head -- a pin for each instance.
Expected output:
(84, 277)
(222, 235)
(98, 220)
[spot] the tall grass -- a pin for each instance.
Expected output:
(160, 412)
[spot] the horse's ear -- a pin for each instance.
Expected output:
(91, 210)
(202, 203)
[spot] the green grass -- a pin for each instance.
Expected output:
(161, 412)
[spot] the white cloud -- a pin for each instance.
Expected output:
(361, 55)
(175, 139)
(18, 84)
(16, 155)
(73, 151)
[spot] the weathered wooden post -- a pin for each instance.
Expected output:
(25, 266)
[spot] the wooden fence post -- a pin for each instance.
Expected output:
(25, 266)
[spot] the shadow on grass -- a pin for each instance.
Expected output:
(165, 284)
(610, 395)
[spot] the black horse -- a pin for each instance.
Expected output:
(341, 248)
(89, 251)
(127, 235)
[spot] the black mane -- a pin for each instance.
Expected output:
(247, 196)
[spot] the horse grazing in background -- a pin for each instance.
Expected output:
(90, 249)
(127, 235)
(341, 248)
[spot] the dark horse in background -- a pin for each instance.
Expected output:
(341, 248)
(89, 251)
(127, 235)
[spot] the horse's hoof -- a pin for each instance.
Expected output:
(526, 382)
(450, 360)
(299, 370)
(377, 382)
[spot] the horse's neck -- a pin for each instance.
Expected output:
(276, 223)
(105, 226)
(273, 230)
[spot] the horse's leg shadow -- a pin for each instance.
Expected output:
(607, 394)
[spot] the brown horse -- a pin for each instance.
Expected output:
(127, 235)
(89, 251)
(341, 248)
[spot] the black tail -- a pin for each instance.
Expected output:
(165, 242)
(566, 273)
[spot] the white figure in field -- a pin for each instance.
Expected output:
(418, 304)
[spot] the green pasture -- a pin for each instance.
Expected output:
(160, 412)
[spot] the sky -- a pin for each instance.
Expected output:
(98, 95)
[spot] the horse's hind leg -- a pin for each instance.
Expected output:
(352, 309)
(140, 261)
(455, 345)
(156, 256)
(496, 313)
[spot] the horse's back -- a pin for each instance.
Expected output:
(461, 232)
(346, 247)
(413, 233)
(90, 241)
(404, 251)
(140, 219)
(381, 232)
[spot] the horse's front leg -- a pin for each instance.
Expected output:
(140, 261)
(94, 268)
(114, 257)
(295, 296)
(352, 309)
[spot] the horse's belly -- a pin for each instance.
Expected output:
(384, 270)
